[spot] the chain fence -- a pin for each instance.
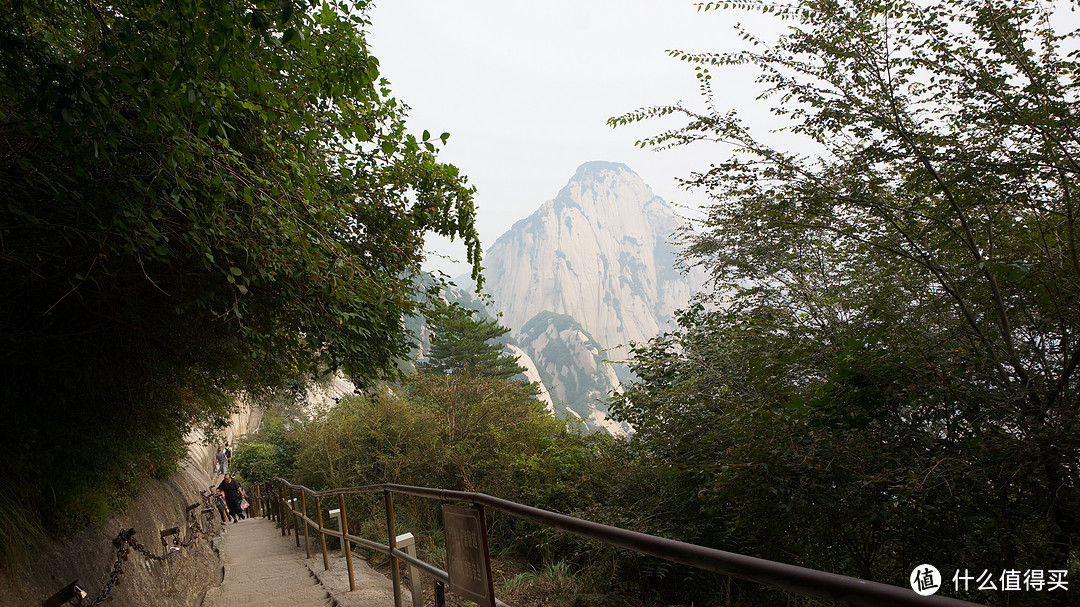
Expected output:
(200, 524)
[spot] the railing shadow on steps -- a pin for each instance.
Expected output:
(275, 499)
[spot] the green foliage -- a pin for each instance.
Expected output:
(18, 530)
(891, 374)
(367, 440)
(552, 579)
(461, 340)
(198, 198)
(546, 318)
(257, 462)
(461, 431)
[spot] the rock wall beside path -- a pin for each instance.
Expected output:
(89, 556)
(201, 451)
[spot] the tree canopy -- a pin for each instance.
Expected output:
(892, 343)
(198, 198)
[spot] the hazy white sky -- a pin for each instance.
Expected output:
(525, 88)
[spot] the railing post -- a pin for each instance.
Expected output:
(289, 515)
(277, 507)
(322, 536)
(295, 523)
(407, 542)
(440, 593)
(344, 542)
(303, 518)
(486, 550)
(336, 515)
(281, 508)
(392, 537)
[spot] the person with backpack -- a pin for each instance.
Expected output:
(222, 462)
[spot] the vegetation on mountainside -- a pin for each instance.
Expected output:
(887, 372)
(198, 198)
(559, 365)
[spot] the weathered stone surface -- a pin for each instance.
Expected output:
(572, 366)
(89, 556)
(264, 569)
(600, 253)
(532, 374)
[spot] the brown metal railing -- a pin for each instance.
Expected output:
(275, 495)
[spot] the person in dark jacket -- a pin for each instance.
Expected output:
(233, 494)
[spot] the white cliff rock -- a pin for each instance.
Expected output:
(600, 252)
(589, 272)
(532, 374)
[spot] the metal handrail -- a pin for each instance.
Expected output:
(793, 578)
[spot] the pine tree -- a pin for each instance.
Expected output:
(462, 340)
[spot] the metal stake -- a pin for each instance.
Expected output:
(395, 575)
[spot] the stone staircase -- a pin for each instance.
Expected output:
(264, 569)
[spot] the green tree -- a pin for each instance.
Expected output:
(915, 282)
(462, 339)
(197, 198)
(268, 453)
(809, 452)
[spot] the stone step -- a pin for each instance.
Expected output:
(265, 569)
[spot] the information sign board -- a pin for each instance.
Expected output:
(467, 554)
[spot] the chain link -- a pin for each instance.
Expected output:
(126, 541)
(121, 543)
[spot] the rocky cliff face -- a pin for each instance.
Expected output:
(572, 367)
(599, 253)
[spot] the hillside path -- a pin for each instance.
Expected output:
(262, 568)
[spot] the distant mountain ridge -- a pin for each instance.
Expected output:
(600, 253)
